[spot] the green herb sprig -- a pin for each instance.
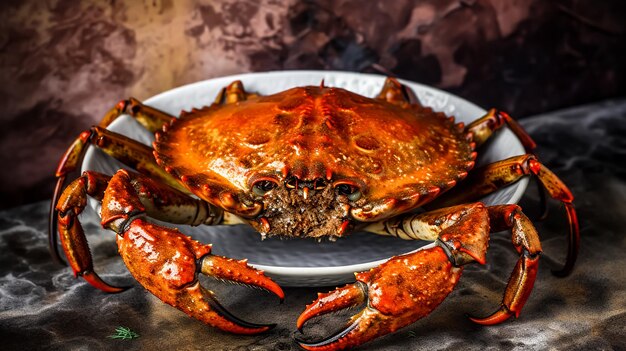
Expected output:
(124, 333)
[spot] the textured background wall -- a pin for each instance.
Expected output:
(63, 63)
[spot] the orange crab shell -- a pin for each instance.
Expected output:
(399, 155)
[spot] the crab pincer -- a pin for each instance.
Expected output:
(166, 262)
(396, 294)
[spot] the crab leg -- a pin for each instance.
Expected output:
(489, 178)
(166, 262)
(484, 127)
(149, 117)
(234, 92)
(71, 203)
(396, 93)
(408, 287)
(159, 201)
(126, 150)
(526, 242)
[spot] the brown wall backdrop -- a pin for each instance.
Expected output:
(63, 63)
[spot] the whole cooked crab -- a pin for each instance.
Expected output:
(310, 161)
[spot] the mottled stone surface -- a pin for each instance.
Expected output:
(64, 63)
(43, 307)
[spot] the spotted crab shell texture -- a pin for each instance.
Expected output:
(399, 155)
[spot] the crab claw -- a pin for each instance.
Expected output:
(398, 293)
(166, 262)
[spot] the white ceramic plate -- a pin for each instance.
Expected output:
(307, 262)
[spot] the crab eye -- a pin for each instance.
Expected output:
(263, 186)
(291, 183)
(350, 191)
(320, 183)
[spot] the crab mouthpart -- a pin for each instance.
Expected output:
(303, 211)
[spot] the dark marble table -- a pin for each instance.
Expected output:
(43, 307)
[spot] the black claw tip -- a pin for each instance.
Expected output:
(94, 279)
(328, 340)
(217, 307)
(563, 272)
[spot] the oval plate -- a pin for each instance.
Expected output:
(308, 262)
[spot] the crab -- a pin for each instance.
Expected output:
(312, 161)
